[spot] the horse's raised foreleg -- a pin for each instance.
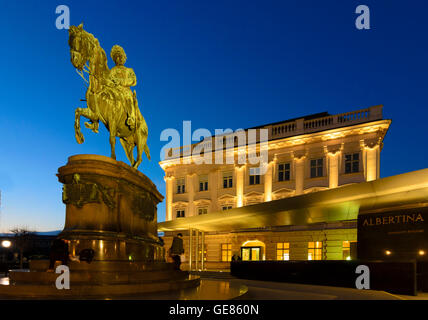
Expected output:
(78, 133)
(87, 113)
(93, 125)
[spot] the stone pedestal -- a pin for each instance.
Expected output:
(111, 209)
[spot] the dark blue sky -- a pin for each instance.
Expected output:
(220, 64)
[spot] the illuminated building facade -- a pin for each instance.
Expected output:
(305, 155)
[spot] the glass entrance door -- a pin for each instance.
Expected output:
(250, 253)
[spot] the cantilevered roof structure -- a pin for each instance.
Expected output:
(339, 204)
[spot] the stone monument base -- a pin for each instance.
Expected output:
(111, 211)
(96, 280)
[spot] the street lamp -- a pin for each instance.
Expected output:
(6, 243)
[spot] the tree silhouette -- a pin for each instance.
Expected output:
(23, 240)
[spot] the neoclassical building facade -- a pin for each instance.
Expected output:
(305, 155)
(300, 156)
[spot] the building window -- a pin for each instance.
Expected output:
(352, 163)
(254, 179)
(317, 168)
(181, 186)
(226, 208)
(254, 176)
(283, 251)
(227, 180)
(226, 252)
(284, 172)
(315, 250)
(203, 211)
(203, 183)
(346, 250)
(180, 213)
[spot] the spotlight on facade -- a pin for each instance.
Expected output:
(6, 243)
(387, 252)
(348, 258)
(421, 252)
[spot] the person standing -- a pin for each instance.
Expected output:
(236, 257)
(176, 250)
(59, 252)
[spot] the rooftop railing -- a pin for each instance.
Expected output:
(301, 126)
(298, 127)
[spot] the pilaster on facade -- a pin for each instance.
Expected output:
(213, 179)
(333, 156)
(299, 159)
(268, 181)
(240, 170)
(169, 181)
(371, 158)
(190, 185)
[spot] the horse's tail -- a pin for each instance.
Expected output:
(139, 116)
(143, 126)
(147, 151)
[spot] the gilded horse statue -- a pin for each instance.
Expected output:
(109, 98)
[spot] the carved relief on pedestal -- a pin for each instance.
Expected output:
(144, 206)
(81, 192)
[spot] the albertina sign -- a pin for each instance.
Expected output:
(393, 219)
(396, 235)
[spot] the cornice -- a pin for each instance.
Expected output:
(380, 126)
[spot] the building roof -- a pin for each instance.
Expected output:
(310, 124)
(308, 117)
(339, 204)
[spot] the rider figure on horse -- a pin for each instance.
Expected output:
(121, 79)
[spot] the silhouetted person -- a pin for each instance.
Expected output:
(87, 255)
(59, 252)
(161, 241)
(176, 250)
(236, 257)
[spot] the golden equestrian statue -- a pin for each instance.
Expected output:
(109, 97)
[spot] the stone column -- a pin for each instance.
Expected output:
(240, 185)
(203, 250)
(299, 167)
(190, 248)
(169, 196)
